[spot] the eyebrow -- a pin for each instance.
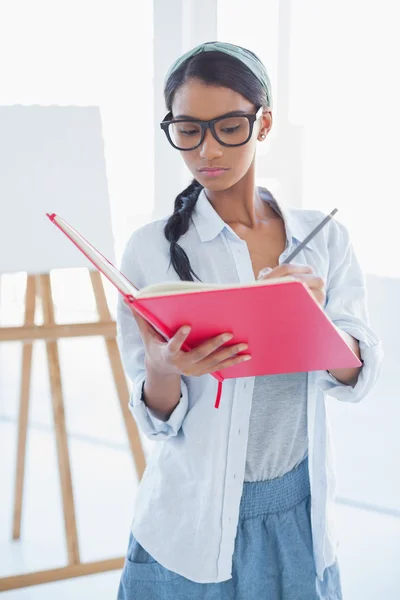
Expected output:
(229, 114)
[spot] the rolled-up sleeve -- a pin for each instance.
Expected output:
(132, 352)
(346, 305)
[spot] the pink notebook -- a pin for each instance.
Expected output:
(285, 328)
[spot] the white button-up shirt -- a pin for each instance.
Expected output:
(187, 504)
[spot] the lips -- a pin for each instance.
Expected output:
(212, 169)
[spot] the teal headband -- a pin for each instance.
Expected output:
(246, 57)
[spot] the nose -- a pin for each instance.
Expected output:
(210, 147)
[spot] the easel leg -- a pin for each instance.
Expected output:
(60, 427)
(119, 377)
(74, 568)
(30, 303)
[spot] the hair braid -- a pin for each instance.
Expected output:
(177, 225)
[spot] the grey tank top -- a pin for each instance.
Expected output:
(278, 439)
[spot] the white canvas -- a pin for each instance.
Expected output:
(51, 160)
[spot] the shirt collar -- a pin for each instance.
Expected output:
(209, 224)
(206, 219)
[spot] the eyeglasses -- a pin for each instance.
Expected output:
(233, 129)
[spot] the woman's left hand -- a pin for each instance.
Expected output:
(314, 283)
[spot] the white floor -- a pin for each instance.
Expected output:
(368, 450)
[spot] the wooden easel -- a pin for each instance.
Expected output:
(39, 286)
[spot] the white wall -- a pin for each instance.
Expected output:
(179, 25)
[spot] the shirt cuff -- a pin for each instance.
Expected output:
(372, 357)
(154, 428)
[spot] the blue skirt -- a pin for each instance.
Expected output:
(273, 556)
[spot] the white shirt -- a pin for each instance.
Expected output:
(187, 504)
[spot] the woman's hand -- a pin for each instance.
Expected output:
(168, 358)
(305, 273)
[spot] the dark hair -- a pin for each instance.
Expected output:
(214, 68)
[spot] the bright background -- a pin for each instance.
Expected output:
(334, 144)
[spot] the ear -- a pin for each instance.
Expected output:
(266, 124)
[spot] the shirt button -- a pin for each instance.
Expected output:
(234, 476)
(239, 432)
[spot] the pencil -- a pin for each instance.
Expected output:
(310, 236)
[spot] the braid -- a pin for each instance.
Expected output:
(177, 225)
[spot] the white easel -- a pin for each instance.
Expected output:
(45, 170)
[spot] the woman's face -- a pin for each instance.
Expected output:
(205, 102)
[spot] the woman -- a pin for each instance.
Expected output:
(237, 503)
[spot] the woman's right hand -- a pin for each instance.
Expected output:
(168, 358)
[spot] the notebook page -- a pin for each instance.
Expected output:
(167, 288)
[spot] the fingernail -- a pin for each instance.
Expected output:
(264, 272)
(185, 330)
(227, 337)
(246, 358)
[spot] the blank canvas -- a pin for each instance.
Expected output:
(51, 160)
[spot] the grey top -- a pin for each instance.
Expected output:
(278, 439)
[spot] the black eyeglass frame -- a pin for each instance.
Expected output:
(252, 118)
